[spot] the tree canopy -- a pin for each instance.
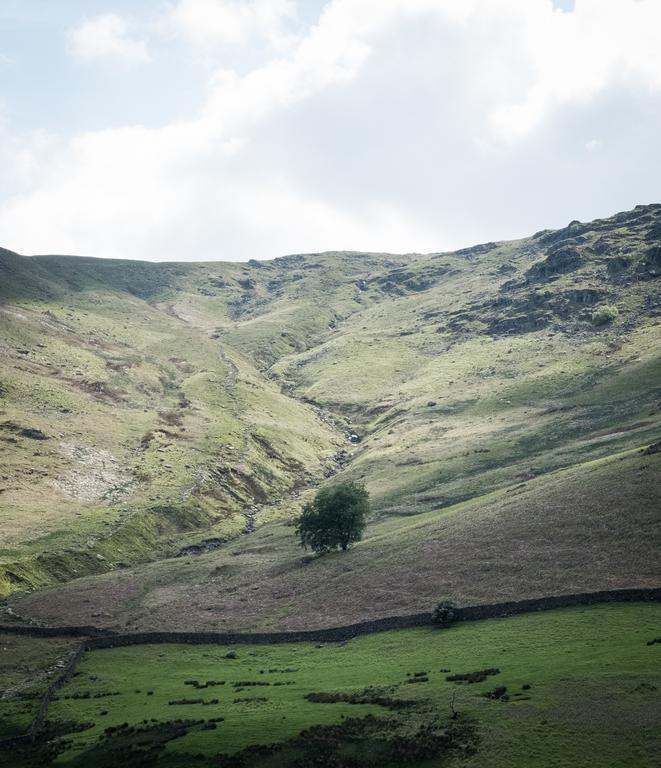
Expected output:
(335, 519)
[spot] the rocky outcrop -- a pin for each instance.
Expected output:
(559, 261)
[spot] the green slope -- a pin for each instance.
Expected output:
(182, 402)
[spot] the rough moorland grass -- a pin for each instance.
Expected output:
(582, 687)
(591, 527)
(140, 410)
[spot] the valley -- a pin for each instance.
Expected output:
(163, 424)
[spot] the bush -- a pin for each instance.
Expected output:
(604, 315)
(473, 677)
(499, 693)
(444, 613)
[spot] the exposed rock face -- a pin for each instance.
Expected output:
(516, 311)
(476, 250)
(618, 265)
(583, 296)
(519, 324)
(29, 432)
(400, 281)
(652, 449)
(574, 230)
(94, 474)
(653, 258)
(207, 545)
(403, 280)
(654, 232)
(559, 261)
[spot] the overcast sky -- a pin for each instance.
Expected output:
(236, 129)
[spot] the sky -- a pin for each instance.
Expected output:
(196, 130)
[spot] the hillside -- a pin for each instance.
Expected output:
(148, 409)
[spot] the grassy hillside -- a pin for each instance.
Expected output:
(150, 407)
(588, 528)
(573, 687)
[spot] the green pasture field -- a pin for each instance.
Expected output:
(583, 688)
(27, 665)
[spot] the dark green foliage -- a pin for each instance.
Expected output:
(498, 694)
(198, 685)
(335, 519)
(248, 683)
(368, 696)
(444, 613)
(473, 677)
(604, 315)
(30, 432)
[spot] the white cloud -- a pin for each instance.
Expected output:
(572, 57)
(106, 37)
(210, 23)
(406, 125)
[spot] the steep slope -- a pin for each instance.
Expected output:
(587, 528)
(126, 418)
(150, 407)
(498, 363)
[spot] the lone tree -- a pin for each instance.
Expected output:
(336, 518)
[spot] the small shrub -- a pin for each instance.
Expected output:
(444, 613)
(499, 693)
(472, 677)
(248, 683)
(255, 699)
(604, 315)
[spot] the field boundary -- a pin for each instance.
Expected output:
(94, 637)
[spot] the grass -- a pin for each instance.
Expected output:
(135, 422)
(590, 527)
(500, 434)
(188, 387)
(591, 689)
(26, 666)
